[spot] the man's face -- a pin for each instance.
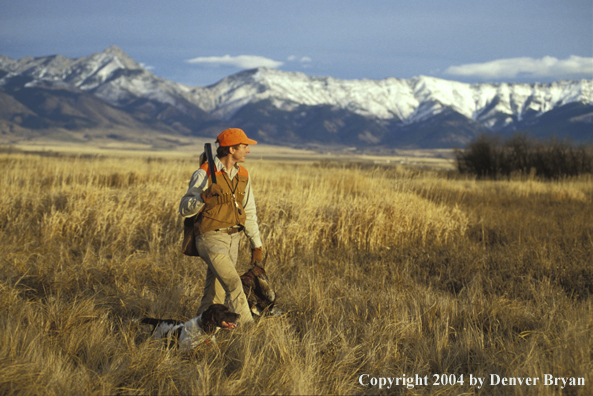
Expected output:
(240, 153)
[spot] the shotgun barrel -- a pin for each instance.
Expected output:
(211, 166)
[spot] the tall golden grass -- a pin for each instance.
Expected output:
(382, 271)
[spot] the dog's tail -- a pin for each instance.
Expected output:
(155, 322)
(151, 321)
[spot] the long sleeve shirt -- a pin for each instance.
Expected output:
(192, 202)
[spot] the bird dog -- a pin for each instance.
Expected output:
(188, 335)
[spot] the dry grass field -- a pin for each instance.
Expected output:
(385, 273)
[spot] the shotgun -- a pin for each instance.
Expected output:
(189, 236)
(211, 166)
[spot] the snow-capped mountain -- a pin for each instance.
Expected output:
(289, 107)
(409, 101)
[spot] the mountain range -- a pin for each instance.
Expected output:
(108, 94)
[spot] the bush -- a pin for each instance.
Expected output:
(490, 156)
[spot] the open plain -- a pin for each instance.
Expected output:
(384, 270)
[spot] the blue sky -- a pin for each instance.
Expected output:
(197, 43)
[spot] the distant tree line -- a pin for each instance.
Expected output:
(491, 156)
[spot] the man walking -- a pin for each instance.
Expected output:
(224, 210)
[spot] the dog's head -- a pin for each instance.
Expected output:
(218, 315)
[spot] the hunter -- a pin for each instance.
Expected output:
(224, 210)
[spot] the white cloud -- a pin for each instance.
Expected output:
(241, 61)
(304, 59)
(546, 67)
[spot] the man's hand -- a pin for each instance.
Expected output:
(212, 191)
(256, 256)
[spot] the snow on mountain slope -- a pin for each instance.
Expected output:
(383, 99)
(407, 100)
(116, 78)
(111, 75)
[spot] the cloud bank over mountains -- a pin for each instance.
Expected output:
(240, 61)
(546, 67)
(245, 62)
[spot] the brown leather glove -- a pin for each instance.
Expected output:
(212, 191)
(256, 256)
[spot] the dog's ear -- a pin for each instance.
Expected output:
(208, 321)
(208, 326)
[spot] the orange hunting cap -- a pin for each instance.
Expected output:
(232, 137)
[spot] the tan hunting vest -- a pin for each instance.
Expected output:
(224, 211)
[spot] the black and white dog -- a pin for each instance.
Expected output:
(188, 335)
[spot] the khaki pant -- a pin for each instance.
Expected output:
(220, 250)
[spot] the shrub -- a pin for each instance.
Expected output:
(490, 156)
